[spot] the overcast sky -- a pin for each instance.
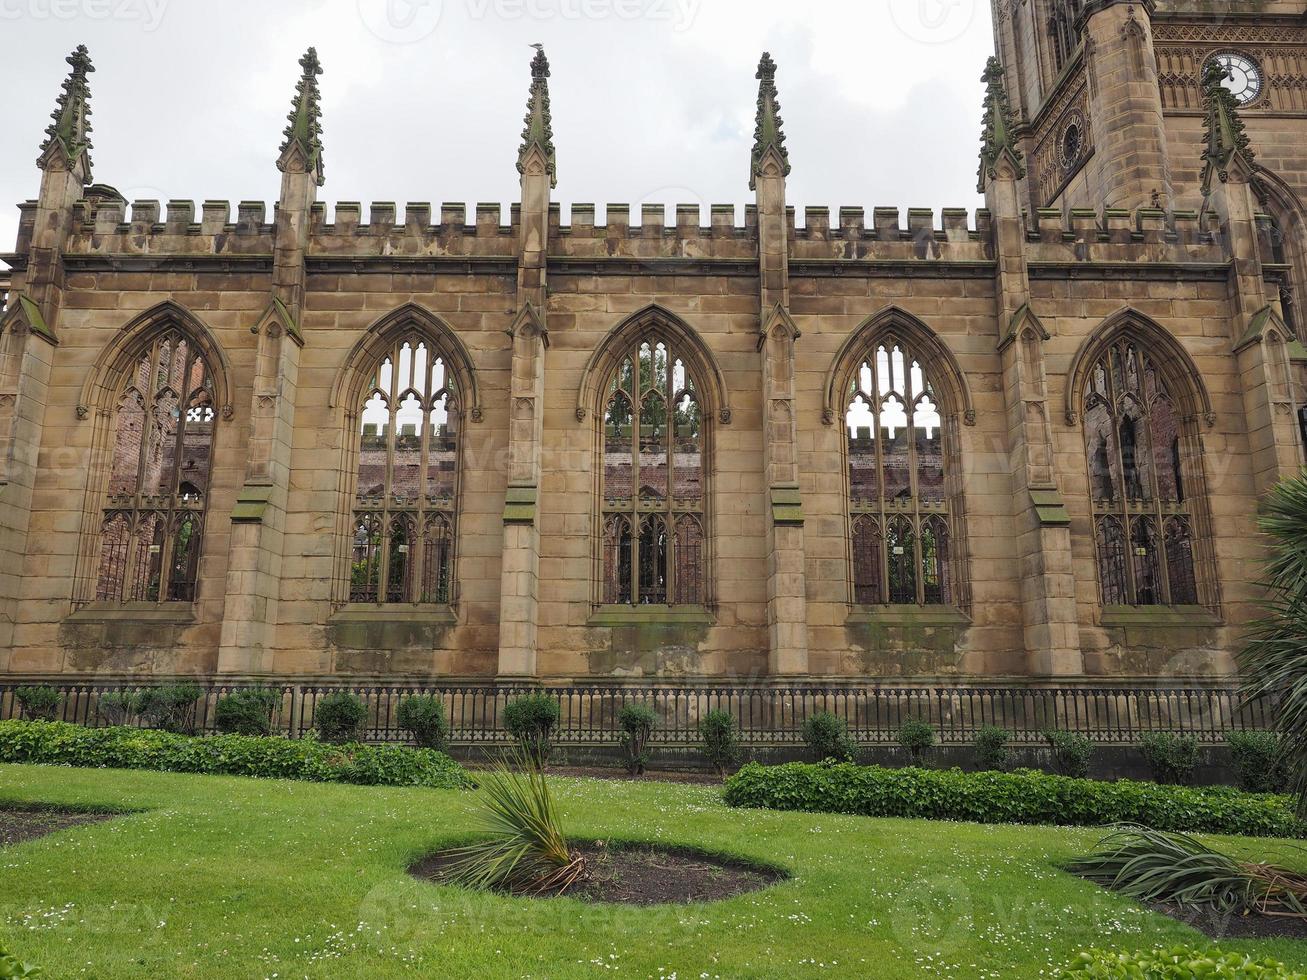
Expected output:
(653, 100)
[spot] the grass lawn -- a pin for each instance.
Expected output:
(229, 877)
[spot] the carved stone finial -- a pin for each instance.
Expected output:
(304, 122)
(539, 131)
(767, 133)
(996, 140)
(1227, 143)
(69, 132)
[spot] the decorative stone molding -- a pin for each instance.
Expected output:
(132, 338)
(955, 394)
(649, 320)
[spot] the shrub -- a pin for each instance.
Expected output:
(171, 707)
(1024, 796)
(1071, 752)
(12, 966)
(1172, 758)
(637, 723)
(40, 703)
(340, 717)
(1273, 662)
(721, 741)
(1155, 866)
(1258, 761)
(1177, 963)
(531, 719)
(56, 743)
(828, 737)
(916, 736)
(423, 717)
(117, 707)
(991, 747)
(247, 712)
(527, 851)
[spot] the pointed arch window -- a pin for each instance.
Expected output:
(152, 528)
(901, 513)
(652, 481)
(1142, 508)
(406, 477)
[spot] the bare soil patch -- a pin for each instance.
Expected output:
(646, 874)
(17, 826)
(1217, 926)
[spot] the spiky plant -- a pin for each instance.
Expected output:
(1158, 866)
(527, 852)
(1273, 664)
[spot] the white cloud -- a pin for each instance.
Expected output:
(653, 99)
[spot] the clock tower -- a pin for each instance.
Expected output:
(1109, 98)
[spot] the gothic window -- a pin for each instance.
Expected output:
(901, 521)
(652, 482)
(404, 514)
(152, 527)
(1062, 28)
(1143, 527)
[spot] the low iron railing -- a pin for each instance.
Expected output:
(767, 715)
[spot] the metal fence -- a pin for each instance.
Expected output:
(766, 715)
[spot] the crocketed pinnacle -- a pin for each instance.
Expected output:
(767, 132)
(304, 122)
(1225, 136)
(69, 132)
(996, 138)
(538, 131)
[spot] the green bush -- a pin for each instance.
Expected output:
(40, 703)
(1258, 761)
(1178, 963)
(721, 740)
(916, 736)
(12, 967)
(827, 736)
(56, 743)
(991, 747)
(637, 723)
(340, 717)
(423, 717)
(1172, 758)
(170, 707)
(1024, 797)
(247, 712)
(117, 707)
(1071, 752)
(532, 719)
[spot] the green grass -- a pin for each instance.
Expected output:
(229, 877)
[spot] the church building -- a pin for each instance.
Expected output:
(314, 442)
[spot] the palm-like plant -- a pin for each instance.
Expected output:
(1273, 664)
(1157, 866)
(527, 852)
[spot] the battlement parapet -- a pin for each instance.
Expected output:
(181, 228)
(1119, 235)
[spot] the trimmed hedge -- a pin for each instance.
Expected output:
(1023, 796)
(1178, 963)
(60, 744)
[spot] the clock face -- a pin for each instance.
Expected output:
(1072, 143)
(1242, 76)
